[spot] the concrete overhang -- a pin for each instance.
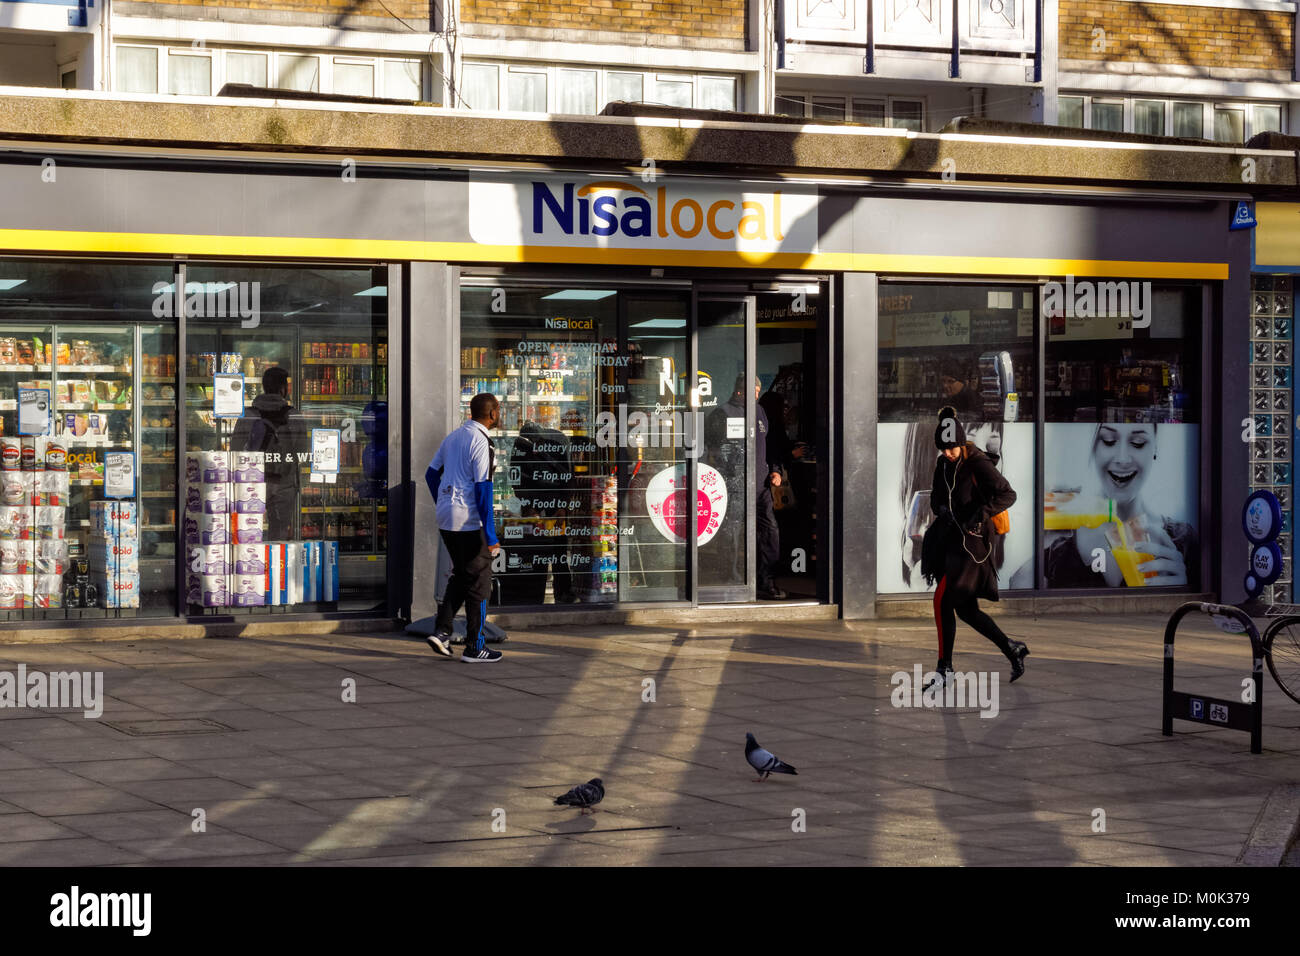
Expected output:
(677, 141)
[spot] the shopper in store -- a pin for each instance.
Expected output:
(460, 477)
(271, 425)
(956, 391)
(961, 548)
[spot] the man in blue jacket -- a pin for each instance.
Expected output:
(460, 477)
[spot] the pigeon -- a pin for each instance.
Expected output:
(763, 761)
(584, 795)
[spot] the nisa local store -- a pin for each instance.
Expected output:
(670, 309)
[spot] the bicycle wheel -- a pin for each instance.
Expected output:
(1282, 654)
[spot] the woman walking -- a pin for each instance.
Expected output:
(962, 550)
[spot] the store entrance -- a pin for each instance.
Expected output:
(726, 484)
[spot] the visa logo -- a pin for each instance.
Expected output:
(615, 208)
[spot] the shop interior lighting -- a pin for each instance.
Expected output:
(377, 290)
(7, 284)
(582, 295)
(659, 324)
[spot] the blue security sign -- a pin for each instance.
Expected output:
(1244, 217)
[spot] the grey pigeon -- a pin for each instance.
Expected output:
(764, 761)
(584, 795)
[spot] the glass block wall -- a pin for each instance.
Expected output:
(1272, 340)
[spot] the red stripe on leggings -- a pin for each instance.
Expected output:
(938, 611)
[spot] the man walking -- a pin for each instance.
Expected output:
(460, 477)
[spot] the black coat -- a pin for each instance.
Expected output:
(961, 544)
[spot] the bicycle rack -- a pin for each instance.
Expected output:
(1233, 714)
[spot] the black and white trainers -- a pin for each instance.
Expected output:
(485, 656)
(440, 642)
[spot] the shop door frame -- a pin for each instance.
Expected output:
(746, 299)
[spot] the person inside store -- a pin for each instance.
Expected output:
(956, 391)
(271, 425)
(460, 478)
(960, 550)
(767, 475)
(1123, 457)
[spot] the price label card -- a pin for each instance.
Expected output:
(228, 395)
(735, 427)
(325, 445)
(119, 474)
(33, 411)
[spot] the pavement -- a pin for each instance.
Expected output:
(249, 751)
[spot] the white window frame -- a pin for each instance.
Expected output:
(888, 100)
(164, 66)
(503, 97)
(381, 76)
(350, 60)
(158, 64)
(1208, 109)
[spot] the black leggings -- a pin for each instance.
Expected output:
(946, 612)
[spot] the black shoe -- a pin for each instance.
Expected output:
(485, 656)
(1019, 651)
(773, 593)
(440, 642)
(943, 674)
(566, 598)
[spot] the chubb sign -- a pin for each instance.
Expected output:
(630, 214)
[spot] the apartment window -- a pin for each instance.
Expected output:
(717, 92)
(1189, 121)
(525, 91)
(575, 92)
(1069, 111)
(1149, 117)
(137, 69)
(869, 112)
(906, 114)
(354, 79)
(403, 80)
(828, 107)
(673, 91)
(1229, 125)
(787, 105)
(1108, 116)
(249, 68)
(188, 74)
(478, 86)
(299, 72)
(625, 88)
(1266, 119)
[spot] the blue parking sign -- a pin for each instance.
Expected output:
(1198, 709)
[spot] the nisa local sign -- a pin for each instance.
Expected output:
(666, 215)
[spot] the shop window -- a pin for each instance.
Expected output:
(1070, 111)
(717, 92)
(625, 87)
(285, 505)
(1189, 120)
(479, 86)
(575, 92)
(87, 442)
(189, 75)
(1149, 117)
(828, 107)
(591, 449)
(249, 68)
(402, 80)
(352, 78)
(137, 69)
(972, 347)
(1122, 435)
(525, 91)
(298, 72)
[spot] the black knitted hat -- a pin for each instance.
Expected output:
(949, 433)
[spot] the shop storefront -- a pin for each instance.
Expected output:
(279, 386)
